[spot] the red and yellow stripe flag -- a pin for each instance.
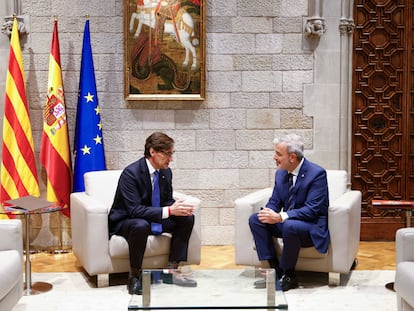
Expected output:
(54, 150)
(18, 166)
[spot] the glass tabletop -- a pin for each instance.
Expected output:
(215, 289)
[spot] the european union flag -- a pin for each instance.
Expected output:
(89, 145)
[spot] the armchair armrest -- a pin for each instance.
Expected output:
(404, 244)
(194, 245)
(11, 235)
(90, 233)
(344, 223)
(243, 208)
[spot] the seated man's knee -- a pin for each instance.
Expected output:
(253, 220)
(290, 227)
(141, 228)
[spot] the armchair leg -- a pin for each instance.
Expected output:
(102, 280)
(334, 278)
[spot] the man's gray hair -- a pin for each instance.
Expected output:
(293, 142)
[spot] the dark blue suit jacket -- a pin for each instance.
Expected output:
(311, 200)
(133, 195)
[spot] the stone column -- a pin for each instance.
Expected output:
(346, 28)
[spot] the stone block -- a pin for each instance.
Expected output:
(288, 24)
(194, 159)
(218, 178)
(252, 62)
(192, 119)
(227, 119)
(268, 43)
(250, 100)
(219, 62)
(263, 118)
(233, 159)
(215, 140)
(294, 119)
(259, 7)
(254, 178)
(219, 81)
(292, 62)
(229, 43)
(252, 25)
(217, 24)
(286, 100)
(261, 81)
(293, 81)
(254, 139)
(262, 159)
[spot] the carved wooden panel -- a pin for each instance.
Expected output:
(383, 129)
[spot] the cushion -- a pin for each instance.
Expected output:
(305, 252)
(337, 184)
(10, 271)
(101, 185)
(156, 245)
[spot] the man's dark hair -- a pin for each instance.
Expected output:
(159, 141)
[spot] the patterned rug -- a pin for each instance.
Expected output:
(361, 290)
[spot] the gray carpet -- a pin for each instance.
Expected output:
(362, 290)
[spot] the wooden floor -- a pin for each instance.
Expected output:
(371, 256)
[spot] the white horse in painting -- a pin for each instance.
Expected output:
(182, 31)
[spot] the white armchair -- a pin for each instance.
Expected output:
(100, 256)
(404, 276)
(344, 220)
(11, 267)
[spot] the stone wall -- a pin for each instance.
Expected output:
(264, 78)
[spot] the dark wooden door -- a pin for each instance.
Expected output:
(383, 109)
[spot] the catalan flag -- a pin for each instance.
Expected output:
(18, 166)
(89, 145)
(54, 150)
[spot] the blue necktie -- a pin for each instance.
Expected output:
(290, 198)
(156, 228)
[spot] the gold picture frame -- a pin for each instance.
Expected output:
(164, 49)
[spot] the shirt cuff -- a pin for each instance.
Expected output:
(165, 213)
(284, 216)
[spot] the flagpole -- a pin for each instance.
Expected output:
(55, 150)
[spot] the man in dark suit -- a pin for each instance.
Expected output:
(135, 216)
(296, 212)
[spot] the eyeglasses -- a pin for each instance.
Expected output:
(168, 153)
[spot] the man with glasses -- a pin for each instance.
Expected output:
(144, 205)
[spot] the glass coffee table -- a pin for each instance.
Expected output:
(216, 289)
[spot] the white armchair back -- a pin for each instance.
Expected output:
(101, 185)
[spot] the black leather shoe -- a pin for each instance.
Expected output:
(181, 280)
(260, 283)
(289, 282)
(178, 279)
(134, 285)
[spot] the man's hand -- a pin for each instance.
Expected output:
(269, 216)
(180, 208)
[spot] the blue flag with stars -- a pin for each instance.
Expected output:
(89, 145)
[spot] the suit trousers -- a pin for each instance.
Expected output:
(294, 233)
(137, 230)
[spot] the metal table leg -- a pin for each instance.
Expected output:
(38, 287)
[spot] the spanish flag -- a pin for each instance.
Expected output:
(18, 166)
(54, 150)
